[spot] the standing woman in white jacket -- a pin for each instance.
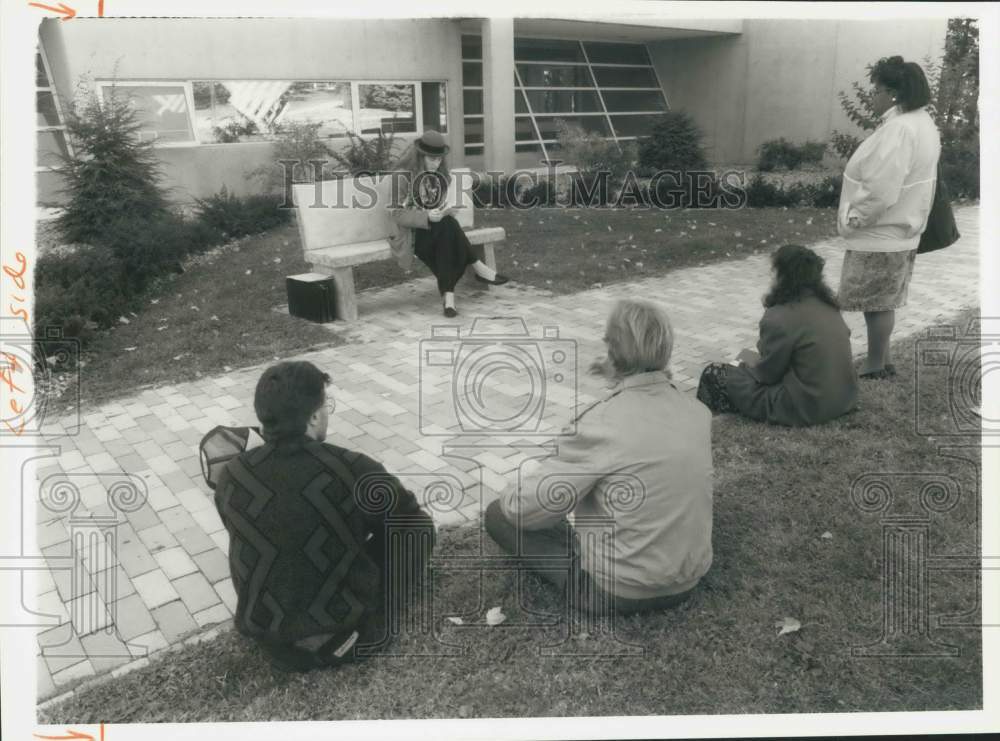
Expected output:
(884, 204)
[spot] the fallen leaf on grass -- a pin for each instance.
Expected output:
(455, 620)
(827, 535)
(495, 616)
(130, 349)
(657, 230)
(248, 271)
(123, 320)
(788, 625)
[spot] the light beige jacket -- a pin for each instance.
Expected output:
(889, 184)
(642, 459)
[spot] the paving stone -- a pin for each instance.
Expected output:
(61, 648)
(196, 592)
(134, 557)
(176, 480)
(132, 617)
(208, 519)
(213, 616)
(194, 540)
(175, 562)
(88, 613)
(221, 538)
(161, 498)
(105, 651)
(51, 533)
(214, 564)
(174, 621)
(155, 589)
(227, 593)
(143, 518)
(148, 644)
(194, 500)
(113, 584)
(191, 466)
(76, 672)
(157, 538)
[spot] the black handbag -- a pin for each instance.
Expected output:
(941, 230)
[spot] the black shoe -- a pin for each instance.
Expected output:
(450, 312)
(498, 281)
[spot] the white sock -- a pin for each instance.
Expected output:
(484, 271)
(449, 300)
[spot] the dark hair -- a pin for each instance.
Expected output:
(799, 273)
(287, 395)
(906, 81)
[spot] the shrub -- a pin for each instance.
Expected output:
(232, 216)
(79, 291)
(591, 153)
(112, 176)
(843, 145)
(762, 193)
(826, 193)
(674, 143)
(960, 168)
(781, 153)
(366, 155)
(300, 143)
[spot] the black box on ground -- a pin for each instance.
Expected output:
(312, 296)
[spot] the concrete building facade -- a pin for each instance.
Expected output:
(212, 92)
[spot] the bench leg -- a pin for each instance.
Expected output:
(346, 304)
(489, 258)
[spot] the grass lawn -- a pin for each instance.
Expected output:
(788, 542)
(219, 314)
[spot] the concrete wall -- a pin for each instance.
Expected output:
(781, 77)
(278, 49)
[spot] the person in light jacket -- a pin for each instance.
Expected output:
(636, 479)
(802, 373)
(426, 227)
(885, 202)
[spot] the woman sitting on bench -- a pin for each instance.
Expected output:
(426, 227)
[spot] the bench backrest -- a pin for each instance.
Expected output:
(331, 213)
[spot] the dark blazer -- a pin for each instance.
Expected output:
(806, 372)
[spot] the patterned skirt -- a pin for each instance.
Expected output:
(875, 281)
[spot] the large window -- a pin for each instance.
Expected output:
(606, 88)
(228, 111)
(51, 140)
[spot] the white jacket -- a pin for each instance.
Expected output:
(889, 184)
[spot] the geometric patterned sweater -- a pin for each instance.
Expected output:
(306, 524)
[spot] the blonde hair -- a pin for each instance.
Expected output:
(639, 336)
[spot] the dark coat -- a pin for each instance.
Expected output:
(806, 372)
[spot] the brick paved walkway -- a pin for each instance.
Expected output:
(395, 402)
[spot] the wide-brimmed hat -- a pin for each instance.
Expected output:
(432, 143)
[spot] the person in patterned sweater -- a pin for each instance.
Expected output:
(310, 528)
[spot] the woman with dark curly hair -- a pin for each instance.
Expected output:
(885, 202)
(803, 373)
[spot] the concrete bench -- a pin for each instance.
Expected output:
(337, 235)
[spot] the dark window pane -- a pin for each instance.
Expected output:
(601, 51)
(524, 130)
(45, 105)
(41, 80)
(549, 75)
(625, 77)
(633, 125)
(590, 124)
(519, 105)
(528, 148)
(547, 50)
(386, 108)
(50, 145)
(435, 105)
(473, 131)
(638, 101)
(554, 101)
(472, 101)
(472, 47)
(472, 74)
